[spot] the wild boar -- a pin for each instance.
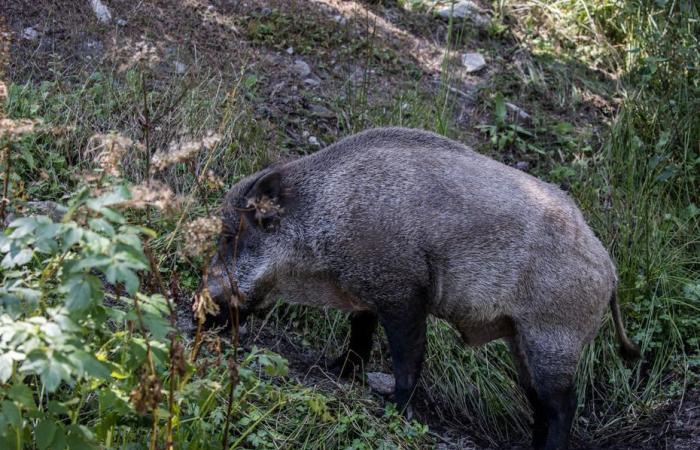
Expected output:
(394, 224)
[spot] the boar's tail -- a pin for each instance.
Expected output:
(628, 349)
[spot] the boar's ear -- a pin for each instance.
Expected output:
(264, 203)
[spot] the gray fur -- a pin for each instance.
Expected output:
(392, 215)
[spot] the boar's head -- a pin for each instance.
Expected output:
(242, 270)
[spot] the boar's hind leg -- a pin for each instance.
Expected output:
(551, 359)
(362, 327)
(539, 426)
(405, 330)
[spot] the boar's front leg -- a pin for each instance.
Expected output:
(405, 327)
(362, 327)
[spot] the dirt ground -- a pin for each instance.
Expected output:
(299, 50)
(676, 427)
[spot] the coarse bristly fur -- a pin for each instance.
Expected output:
(395, 224)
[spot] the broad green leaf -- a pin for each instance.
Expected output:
(89, 365)
(22, 227)
(21, 258)
(11, 413)
(101, 226)
(72, 236)
(82, 291)
(44, 433)
(21, 394)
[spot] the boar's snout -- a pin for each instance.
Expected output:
(224, 296)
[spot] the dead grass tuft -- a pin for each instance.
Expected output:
(179, 152)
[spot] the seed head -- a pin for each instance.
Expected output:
(146, 396)
(152, 193)
(177, 358)
(203, 305)
(178, 152)
(199, 235)
(109, 149)
(14, 129)
(210, 180)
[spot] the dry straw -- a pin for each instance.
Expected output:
(108, 151)
(179, 152)
(152, 193)
(199, 235)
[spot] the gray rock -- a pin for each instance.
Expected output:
(92, 49)
(101, 11)
(517, 111)
(382, 383)
(30, 34)
(312, 82)
(463, 9)
(301, 68)
(321, 111)
(290, 51)
(122, 22)
(340, 19)
(54, 210)
(180, 68)
(473, 62)
(313, 140)
(522, 165)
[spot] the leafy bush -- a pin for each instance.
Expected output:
(88, 359)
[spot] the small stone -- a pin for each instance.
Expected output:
(101, 11)
(265, 12)
(473, 61)
(321, 111)
(313, 140)
(340, 19)
(464, 9)
(180, 68)
(312, 82)
(30, 34)
(122, 22)
(522, 165)
(518, 111)
(383, 383)
(301, 68)
(290, 51)
(54, 210)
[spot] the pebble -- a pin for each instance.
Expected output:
(301, 68)
(321, 111)
(101, 11)
(30, 34)
(521, 113)
(312, 82)
(522, 165)
(340, 19)
(180, 68)
(464, 9)
(382, 383)
(473, 62)
(290, 51)
(313, 140)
